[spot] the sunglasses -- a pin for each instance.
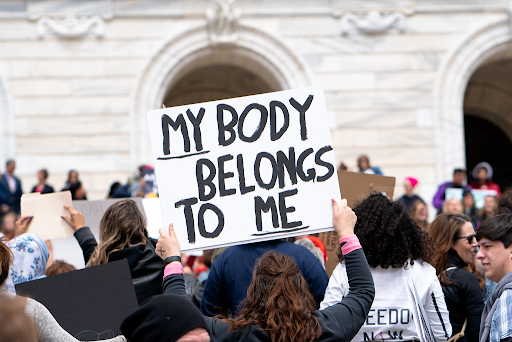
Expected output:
(469, 238)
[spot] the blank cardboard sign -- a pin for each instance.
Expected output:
(354, 187)
(91, 303)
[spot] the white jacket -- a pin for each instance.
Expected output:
(390, 317)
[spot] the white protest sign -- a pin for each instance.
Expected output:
(246, 169)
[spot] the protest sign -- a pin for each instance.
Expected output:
(479, 195)
(47, 211)
(94, 210)
(90, 304)
(245, 169)
(354, 187)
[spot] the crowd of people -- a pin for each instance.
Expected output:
(459, 266)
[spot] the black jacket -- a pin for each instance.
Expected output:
(463, 298)
(339, 322)
(146, 267)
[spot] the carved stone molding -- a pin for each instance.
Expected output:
(223, 22)
(373, 23)
(71, 26)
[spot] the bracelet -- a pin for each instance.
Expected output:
(171, 258)
(173, 269)
(349, 243)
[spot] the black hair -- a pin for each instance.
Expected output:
(459, 170)
(388, 235)
(505, 203)
(9, 161)
(498, 227)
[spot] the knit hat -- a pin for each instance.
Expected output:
(319, 244)
(162, 318)
(413, 181)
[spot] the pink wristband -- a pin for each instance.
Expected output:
(173, 268)
(352, 243)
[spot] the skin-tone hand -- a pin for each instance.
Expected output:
(50, 253)
(76, 219)
(168, 244)
(343, 218)
(22, 225)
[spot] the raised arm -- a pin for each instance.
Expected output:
(83, 235)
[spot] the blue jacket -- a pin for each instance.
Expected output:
(231, 274)
(11, 199)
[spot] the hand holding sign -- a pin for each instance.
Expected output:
(343, 218)
(168, 244)
(76, 219)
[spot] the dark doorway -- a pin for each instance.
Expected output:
(487, 142)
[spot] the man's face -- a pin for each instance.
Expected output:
(495, 258)
(458, 177)
(10, 167)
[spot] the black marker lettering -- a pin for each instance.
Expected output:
(264, 206)
(302, 111)
(274, 134)
(223, 175)
(284, 210)
(202, 182)
(263, 121)
(226, 128)
(241, 176)
(201, 225)
(319, 161)
(196, 121)
(288, 162)
(189, 217)
(300, 166)
(180, 122)
(257, 173)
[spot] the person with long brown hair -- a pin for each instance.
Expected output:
(46, 327)
(455, 250)
(279, 306)
(396, 249)
(123, 235)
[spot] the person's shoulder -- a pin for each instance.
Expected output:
(421, 268)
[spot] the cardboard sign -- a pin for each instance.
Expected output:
(94, 211)
(355, 187)
(247, 169)
(47, 210)
(90, 304)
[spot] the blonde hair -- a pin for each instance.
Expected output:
(121, 226)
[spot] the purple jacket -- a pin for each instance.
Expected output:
(439, 196)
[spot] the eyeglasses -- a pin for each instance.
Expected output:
(469, 238)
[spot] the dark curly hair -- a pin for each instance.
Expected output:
(388, 235)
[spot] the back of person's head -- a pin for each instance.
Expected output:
(5, 262)
(444, 230)
(15, 325)
(165, 318)
(30, 255)
(59, 267)
(121, 226)
(388, 235)
(505, 203)
(496, 228)
(312, 248)
(453, 206)
(278, 301)
(44, 173)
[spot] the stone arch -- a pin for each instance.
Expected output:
(455, 71)
(254, 50)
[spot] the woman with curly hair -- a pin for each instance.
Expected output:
(279, 306)
(396, 249)
(455, 250)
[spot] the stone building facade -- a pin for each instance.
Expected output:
(400, 77)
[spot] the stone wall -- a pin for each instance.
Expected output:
(395, 95)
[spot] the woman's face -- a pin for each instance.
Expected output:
(421, 213)
(465, 249)
(80, 193)
(363, 163)
(73, 177)
(454, 206)
(482, 174)
(469, 202)
(490, 204)
(9, 224)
